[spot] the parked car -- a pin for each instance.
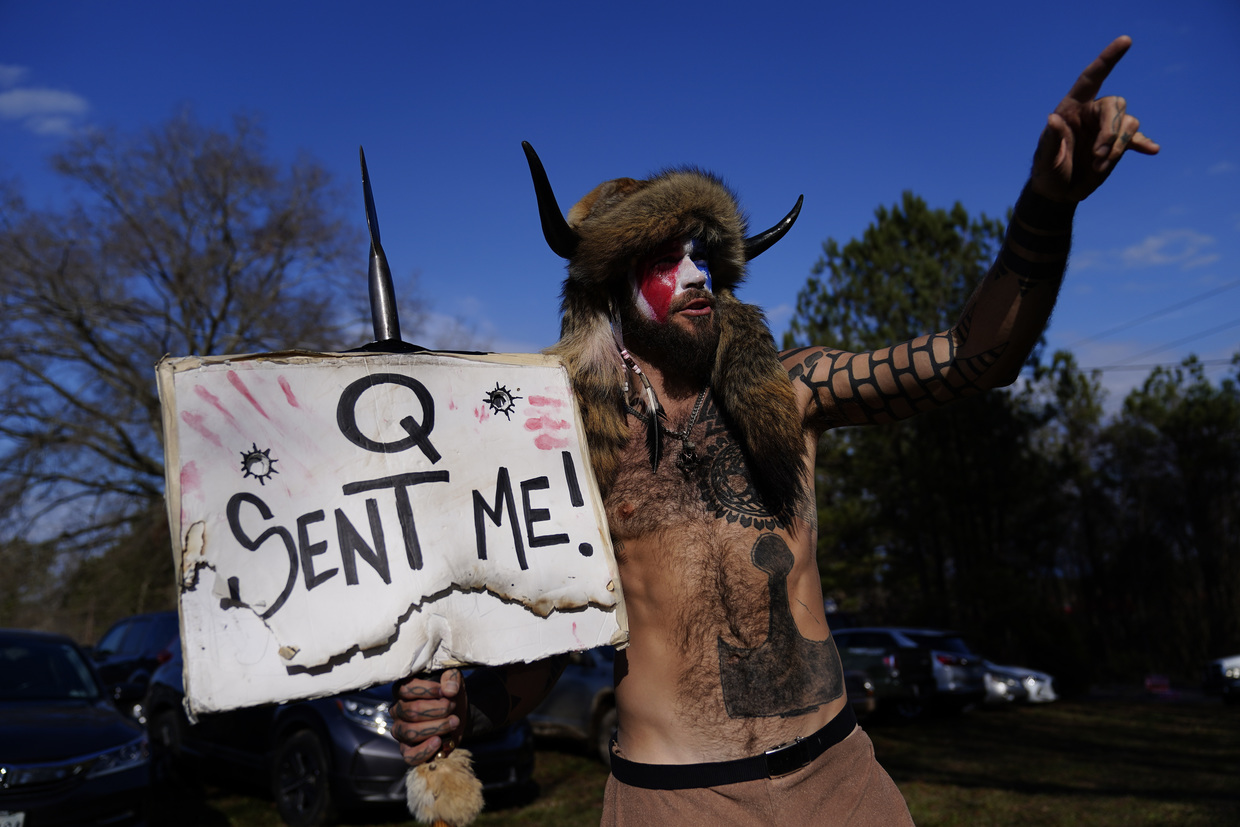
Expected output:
(1002, 689)
(861, 693)
(1034, 687)
(1219, 672)
(899, 673)
(319, 756)
(958, 676)
(130, 650)
(67, 754)
(582, 704)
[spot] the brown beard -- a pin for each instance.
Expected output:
(682, 355)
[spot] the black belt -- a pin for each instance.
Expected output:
(770, 764)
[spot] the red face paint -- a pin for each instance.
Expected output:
(668, 273)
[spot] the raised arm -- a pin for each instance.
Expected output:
(1084, 139)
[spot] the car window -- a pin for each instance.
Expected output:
(135, 638)
(159, 633)
(863, 640)
(39, 670)
(942, 643)
(111, 641)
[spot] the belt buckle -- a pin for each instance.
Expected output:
(784, 759)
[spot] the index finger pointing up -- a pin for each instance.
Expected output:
(1087, 85)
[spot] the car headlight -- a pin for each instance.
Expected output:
(1232, 673)
(133, 754)
(372, 715)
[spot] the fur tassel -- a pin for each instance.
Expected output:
(444, 792)
(756, 396)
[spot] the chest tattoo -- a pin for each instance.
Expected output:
(724, 480)
(786, 674)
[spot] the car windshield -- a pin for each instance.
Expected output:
(45, 671)
(942, 643)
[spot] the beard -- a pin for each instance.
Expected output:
(686, 354)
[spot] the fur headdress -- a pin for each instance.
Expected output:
(624, 220)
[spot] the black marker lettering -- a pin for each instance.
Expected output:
(311, 550)
(503, 496)
(419, 432)
(570, 476)
(537, 515)
(233, 512)
(351, 544)
(404, 509)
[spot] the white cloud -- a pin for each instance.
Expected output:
(1222, 168)
(1185, 248)
(11, 75)
(40, 110)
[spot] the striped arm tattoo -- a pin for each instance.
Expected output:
(888, 384)
(897, 382)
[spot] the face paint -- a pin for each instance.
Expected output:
(668, 273)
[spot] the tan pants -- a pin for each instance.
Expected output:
(843, 786)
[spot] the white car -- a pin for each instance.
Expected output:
(1039, 686)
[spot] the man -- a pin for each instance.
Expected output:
(730, 694)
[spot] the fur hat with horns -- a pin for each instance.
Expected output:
(623, 220)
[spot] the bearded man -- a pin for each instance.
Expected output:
(730, 694)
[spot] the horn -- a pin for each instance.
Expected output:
(561, 238)
(758, 244)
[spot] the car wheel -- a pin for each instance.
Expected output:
(603, 731)
(300, 781)
(910, 707)
(164, 730)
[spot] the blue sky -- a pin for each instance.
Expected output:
(848, 105)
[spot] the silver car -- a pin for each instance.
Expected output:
(1035, 687)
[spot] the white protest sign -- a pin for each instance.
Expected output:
(341, 520)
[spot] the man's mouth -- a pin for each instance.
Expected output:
(699, 305)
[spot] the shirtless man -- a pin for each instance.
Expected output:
(710, 512)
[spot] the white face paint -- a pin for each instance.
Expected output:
(663, 277)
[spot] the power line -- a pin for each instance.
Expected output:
(1203, 362)
(1150, 316)
(1198, 335)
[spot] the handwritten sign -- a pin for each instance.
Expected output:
(341, 520)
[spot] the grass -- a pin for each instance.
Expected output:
(1101, 762)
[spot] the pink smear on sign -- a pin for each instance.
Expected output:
(288, 392)
(546, 419)
(483, 413)
(236, 382)
(196, 422)
(190, 480)
(538, 423)
(214, 401)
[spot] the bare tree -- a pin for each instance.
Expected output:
(186, 240)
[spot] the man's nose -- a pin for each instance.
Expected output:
(689, 275)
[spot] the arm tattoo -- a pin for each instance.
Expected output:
(891, 383)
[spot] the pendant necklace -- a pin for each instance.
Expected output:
(688, 459)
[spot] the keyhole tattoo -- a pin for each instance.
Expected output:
(787, 674)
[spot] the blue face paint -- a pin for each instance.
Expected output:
(667, 274)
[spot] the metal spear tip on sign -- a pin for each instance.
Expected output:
(382, 294)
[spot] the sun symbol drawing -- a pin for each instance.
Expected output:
(258, 464)
(502, 401)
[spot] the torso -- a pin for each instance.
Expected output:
(729, 651)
